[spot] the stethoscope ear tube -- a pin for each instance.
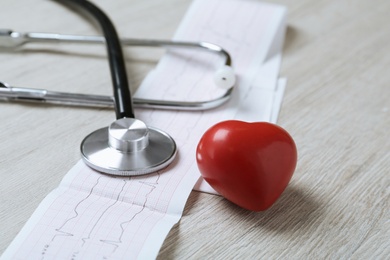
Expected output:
(123, 102)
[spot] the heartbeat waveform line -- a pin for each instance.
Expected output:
(116, 243)
(195, 63)
(189, 127)
(103, 213)
(169, 92)
(76, 213)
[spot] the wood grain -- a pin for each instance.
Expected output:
(336, 58)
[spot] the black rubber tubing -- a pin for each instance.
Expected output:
(122, 95)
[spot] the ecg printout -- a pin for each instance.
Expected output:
(95, 216)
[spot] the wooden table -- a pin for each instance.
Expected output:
(336, 106)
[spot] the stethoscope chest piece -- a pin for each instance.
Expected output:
(128, 147)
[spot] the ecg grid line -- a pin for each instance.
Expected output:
(95, 216)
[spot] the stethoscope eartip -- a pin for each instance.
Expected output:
(225, 77)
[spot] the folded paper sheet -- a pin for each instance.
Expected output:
(94, 216)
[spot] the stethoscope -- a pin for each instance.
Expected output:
(128, 146)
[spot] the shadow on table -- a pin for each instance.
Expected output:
(294, 210)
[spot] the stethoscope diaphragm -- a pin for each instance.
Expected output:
(128, 147)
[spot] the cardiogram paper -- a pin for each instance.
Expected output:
(95, 216)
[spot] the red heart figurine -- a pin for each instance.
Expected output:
(249, 164)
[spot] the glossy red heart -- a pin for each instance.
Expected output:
(249, 164)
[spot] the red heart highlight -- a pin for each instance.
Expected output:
(249, 164)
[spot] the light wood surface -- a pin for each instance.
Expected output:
(336, 106)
